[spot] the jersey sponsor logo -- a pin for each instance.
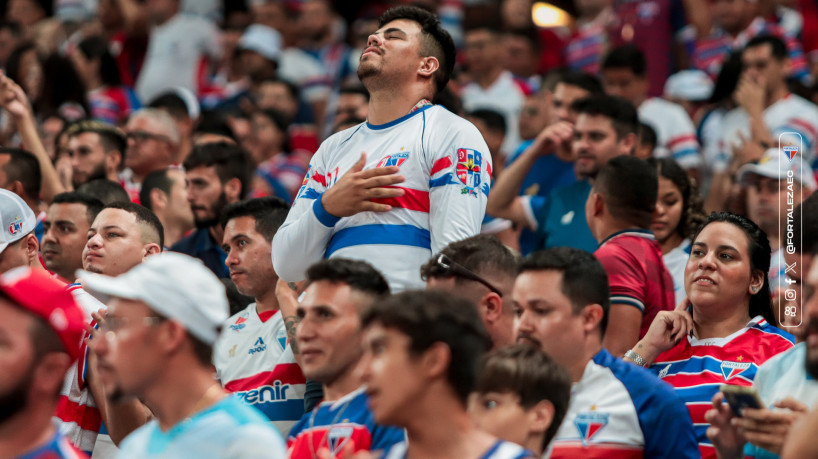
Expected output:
(16, 226)
(790, 151)
(264, 394)
(239, 324)
(258, 346)
(589, 424)
(732, 369)
(395, 159)
(468, 170)
(337, 437)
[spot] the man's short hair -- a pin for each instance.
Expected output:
(153, 231)
(436, 41)
(532, 375)
(581, 80)
(647, 135)
(156, 179)
(110, 137)
(482, 254)
(630, 186)
(291, 87)
(778, 47)
(806, 218)
(269, 214)
(432, 316)
(359, 275)
(212, 122)
(622, 113)
(228, 159)
(626, 57)
(584, 280)
(105, 190)
(529, 34)
(494, 120)
(93, 206)
(23, 167)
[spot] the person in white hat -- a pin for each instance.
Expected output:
(18, 244)
(156, 342)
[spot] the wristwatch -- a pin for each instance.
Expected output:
(636, 358)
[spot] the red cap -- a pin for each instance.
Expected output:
(40, 294)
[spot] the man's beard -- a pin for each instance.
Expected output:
(15, 400)
(367, 70)
(96, 174)
(215, 212)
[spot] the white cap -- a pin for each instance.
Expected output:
(174, 285)
(776, 164)
(263, 40)
(692, 85)
(16, 218)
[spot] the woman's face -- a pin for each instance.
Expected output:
(668, 214)
(718, 271)
(31, 74)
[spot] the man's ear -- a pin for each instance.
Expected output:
(597, 203)
(232, 189)
(541, 416)
(436, 360)
(32, 246)
(113, 161)
(627, 144)
(491, 306)
(592, 317)
(151, 249)
(428, 66)
(159, 200)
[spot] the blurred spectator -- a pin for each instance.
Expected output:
(21, 175)
(27, 13)
(624, 74)
(10, 35)
(323, 38)
(589, 39)
(691, 89)
(66, 226)
(96, 150)
(647, 142)
(279, 171)
(182, 106)
(353, 102)
(107, 191)
(50, 132)
(18, 243)
(153, 144)
(522, 55)
(108, 99)
(485, 260)
(164, 193)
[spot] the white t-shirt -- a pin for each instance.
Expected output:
(675, 134)
(675, 261)
(175, 55)
(505, 96)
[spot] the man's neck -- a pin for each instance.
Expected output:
(449, 433)
(386, 106)
(217, 233)
(608, 228)
(185, 390)
(348, 382)
(485, 80)
(173, 233)
(29, 429)
(268, 300)
(591, 348)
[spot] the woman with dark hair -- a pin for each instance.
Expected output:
(108, 99)
(280, 170)
(679, 213)
(723, 331)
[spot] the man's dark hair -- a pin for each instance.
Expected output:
(171, 103)
(630, 186)
(626, 57)
(23, 167)
(269, 214)
(529, 34)
(777, 46)
(494, 120)
(359, 275)
(436, 41)
(156, 179)
(647, 135)
(482, 254)
(805, 226)
(96, 47)
(622, 113)
(92, 205)
(144, 218)
(581, 80)
(354, 89)
(212, 122)
(228, 159)
(529, 373)
(278, 118)
(291, 87)
(584, 280)
(105, 190)
(432, 316)
(110, 137)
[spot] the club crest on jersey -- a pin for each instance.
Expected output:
(790, 152)
(239, 324)
(16, 226)
(732, 369)
(281, 337)
(589, 424)
(468, 170)
(337, 438)
(395, 159)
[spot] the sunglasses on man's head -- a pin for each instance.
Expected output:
(443, 266)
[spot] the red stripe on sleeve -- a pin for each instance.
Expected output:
(441, 164)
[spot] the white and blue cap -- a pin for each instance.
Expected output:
(173, 285)
(16, 218)
(690, 85)
(263, 40)
(776, 164)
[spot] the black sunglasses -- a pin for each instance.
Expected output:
(443, 266)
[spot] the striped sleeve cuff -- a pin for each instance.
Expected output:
(326, 218)
(630, 301)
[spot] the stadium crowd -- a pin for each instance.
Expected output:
(387, 229)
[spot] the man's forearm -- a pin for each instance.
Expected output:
(507, 186)
(51, 185)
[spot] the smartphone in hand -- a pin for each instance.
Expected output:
(740, 397)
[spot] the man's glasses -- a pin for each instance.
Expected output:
(443, 266)
(141, 136)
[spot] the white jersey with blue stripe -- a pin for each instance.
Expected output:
(501, 449)
(446, 164)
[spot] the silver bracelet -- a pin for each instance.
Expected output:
(636, 358)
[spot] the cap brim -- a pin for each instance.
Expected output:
(104, 288)
(746, 171)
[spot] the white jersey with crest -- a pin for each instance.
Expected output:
(446, 164)
(254, 360)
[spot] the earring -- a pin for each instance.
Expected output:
(754, 289)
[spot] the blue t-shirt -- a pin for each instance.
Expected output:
(561, 221)
(201, 245)
(229, 428)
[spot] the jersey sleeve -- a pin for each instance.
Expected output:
(626, 279)
(682, 142)
(800, 130)
(460, 177)
(302, 239)
(384, 437)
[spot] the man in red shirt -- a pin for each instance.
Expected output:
(619, 210)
